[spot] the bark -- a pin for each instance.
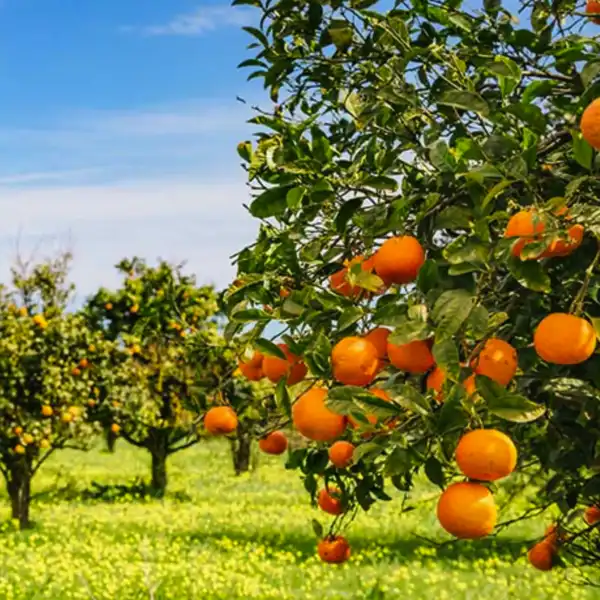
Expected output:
(19, 490)
(241, 453)
(111, 440)
(159, 452)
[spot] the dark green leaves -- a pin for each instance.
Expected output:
(530, 274)
(582, 151)
(269, 348)
(450, 312)
(506, 405)
(435, 472)
(271, 203)
(465, 100)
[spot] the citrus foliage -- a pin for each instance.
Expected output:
(51, 363)
(165, 323)
(412, 138)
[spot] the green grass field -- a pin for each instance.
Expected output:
(221, 537)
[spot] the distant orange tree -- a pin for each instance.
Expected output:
(50, 363)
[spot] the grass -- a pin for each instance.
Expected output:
(221, 537)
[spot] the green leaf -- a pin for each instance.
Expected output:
(495, 191)
(251, 314)
(450, 312)
(349, 317)
(271, 203)
(446, 356)
(435, 471)
(590, 72)
(291, 307)
(454, 217)
(341, 33)
(582, 151)
(319, 355)
(381, 182)
(398, 462)
(465, 100)
(409, 331)
(294, 197)
(269, 348)
(346, 213)
(282, 397)
(504, 404)
(530, 274)
(428, 277)
(478, 322)
(409, 398)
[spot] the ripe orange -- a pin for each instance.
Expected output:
(84, 363)
(334, 549)
(220, 420)
(470, 385)
(340, 284)
(486, 455)
(467, 510)
(274, 443)
(354, 361)
(592, 7)
(108, 306)
(19, 449)
(435, 381)
(115, 428)
(592, 515)
(497, 360)
(27, 439)
(340, 454)
(47, 410)
(330, 501)
(564, 339)
(76, 371)
(18, 430)
(414, 357)
(378, 337)
(284, 292)
(526, 225)
(590, 124)
(561, 247)
(314, 420)
(553, 535)
(399, 259)
(292, 367)
(541, 556)
(252, 369)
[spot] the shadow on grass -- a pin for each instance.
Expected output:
(136, 490)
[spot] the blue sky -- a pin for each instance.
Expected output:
(118, 127)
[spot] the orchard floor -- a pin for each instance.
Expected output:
(221, 537)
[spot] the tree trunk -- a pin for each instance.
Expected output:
(111, 440)
(19, 491)
(241, 448)
(159, 469)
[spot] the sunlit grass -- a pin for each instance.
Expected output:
(221, 537)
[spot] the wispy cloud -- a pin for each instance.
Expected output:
(198, 22)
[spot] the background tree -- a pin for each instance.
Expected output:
(50, 362)
(158, 314)
(436, 124)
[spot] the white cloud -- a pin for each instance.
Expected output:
(198, 22)
(201, 223)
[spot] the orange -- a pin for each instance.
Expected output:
(334, 549)
(340, 284)
(486, 455)
(252, 369)
(561, 247)
(497, 360)
(284, 292)
(291, 367)
(467, 510)
(274, 443)
(541, 556)
(470, 385)
(399, 259)
(47, 410)
(330, 501)
(526, 225)
(435, 381)
(115, 428)
(592, 515)
(354, 361)
(378, 337)
(414, 357)
(84, 363)
(553, 535)
(314, 420)
(590, 124)
(220, 420)
(564, 339)
(592, 7)
(340, 454)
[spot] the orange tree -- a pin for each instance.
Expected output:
(50, 363)
(166, 324)
(427, 190)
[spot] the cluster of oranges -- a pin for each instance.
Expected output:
(274, 368)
